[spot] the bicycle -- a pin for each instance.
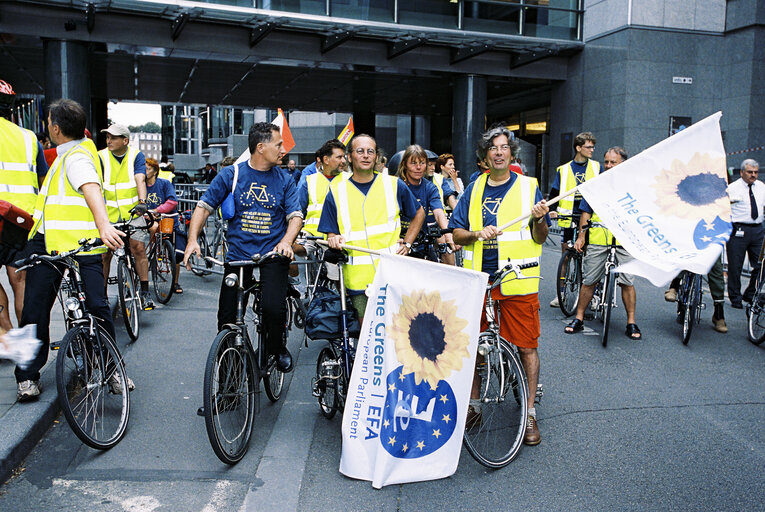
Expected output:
(604, 296)
(161, 255)
(756, 311)
(426, 246)
(199, 266)
(496, 439)
(569, 273)
(234, 369)
(91, 381)
(689, 303)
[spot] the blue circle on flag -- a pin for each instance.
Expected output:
(417, 419)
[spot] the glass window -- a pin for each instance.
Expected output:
(431, 13)
(550, 23)
(372, 10)
(497, 17)
(299, 6)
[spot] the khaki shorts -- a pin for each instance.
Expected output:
(141, 235)
(593, 265)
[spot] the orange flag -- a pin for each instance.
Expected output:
(284, 128)
(347, 132)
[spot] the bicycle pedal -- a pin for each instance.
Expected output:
(55, 346)
(703, 305)
(539, 394)
(112, 280)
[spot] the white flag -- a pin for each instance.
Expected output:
(668, 206)
(405, 412)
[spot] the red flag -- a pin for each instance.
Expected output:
(347, 132)
(281, 122)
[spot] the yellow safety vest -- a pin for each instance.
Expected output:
(318, 187)
(600, 236)
(567, 182)
(166, 175)
(18, 166)
(62, 210)
(438, 181)
(371, 221)
(120, 191)
(516, 242)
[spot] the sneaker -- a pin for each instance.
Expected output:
(719, 324)
(146, 300)
(670, 295)
(28, 390)
(116, 386)
(554, 303)
(532, 437)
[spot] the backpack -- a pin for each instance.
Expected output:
(322, 319)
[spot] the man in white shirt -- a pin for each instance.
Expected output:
(747, 197)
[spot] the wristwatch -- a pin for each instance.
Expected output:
(408, 245)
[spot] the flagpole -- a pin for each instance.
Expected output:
(354, 248)
(549, 203)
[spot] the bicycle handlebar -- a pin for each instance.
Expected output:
(499, 276)
(254, 261)
(36, 259)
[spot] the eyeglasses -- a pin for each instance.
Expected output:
(360, 151)
(503, 147)
(589, 147)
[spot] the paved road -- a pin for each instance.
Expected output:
(650, 425)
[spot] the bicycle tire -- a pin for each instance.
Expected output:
(610, 295)
(691, 306)
(756, 323)
(197, 264)
(130, 304)
(327, 378)
(163, 271)
(273, 381)
(497, 438)
(230, 386)
(86, 382)
(299, 312)
(569, 282)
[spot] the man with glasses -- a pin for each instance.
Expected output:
(364, 210)
(568, 176)
(493, 200)
(747, 200)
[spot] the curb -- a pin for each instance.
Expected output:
(24, 425)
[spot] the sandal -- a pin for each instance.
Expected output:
(574, 326)
(178, 290)
(633, 332)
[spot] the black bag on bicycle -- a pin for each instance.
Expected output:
(322, 319)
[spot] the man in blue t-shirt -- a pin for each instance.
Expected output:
(267, 218)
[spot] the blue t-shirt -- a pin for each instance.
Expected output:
(139, 164)
(303, 194)
(294, 174)
(427, 196)
(42, 165)
(263, 201)
(579, 171)
(492, 196)
(307, 171)
(407, 204)
(158, 193)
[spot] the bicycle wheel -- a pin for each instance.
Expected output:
(756, 327)
(91, 384)
(198, 265)
(609, 295)
(569, 282)
(273, 381)
(130, 305)
(327, 376)
(496, 438)
(693, 299)
(163, 271)
(229, 396)
(297, 308)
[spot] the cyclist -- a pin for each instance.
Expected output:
(593, 264)
(313, 190)
(411, 170)
(716, 280)
(69, 207)
(267, 218)
(491, 201)
(568, 176)
(125, 190)
(362, 203)
(161, 198)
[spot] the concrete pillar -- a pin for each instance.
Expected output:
(364, 119)
(468, 121)
(421, 131)
(67, 73)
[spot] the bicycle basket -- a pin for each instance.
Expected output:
(166, 225)
(322, 319)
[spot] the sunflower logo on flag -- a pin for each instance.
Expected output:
(428, 337)
(694, 190)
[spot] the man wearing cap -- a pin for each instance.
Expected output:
(22, 169)
(125, 190)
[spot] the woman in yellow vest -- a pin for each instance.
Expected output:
(491, 201)
(69, 207)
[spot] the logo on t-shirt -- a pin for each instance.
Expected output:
(258, 193)
(491, 205)
(152, 198)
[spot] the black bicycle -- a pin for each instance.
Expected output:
(756, 312)
(161, 256)
(234, 369)
(569, 273)
(90, 374)
(604, 296)
(426, 246)
(689, 304)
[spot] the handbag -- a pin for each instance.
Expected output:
(322, 319)
(228, 206)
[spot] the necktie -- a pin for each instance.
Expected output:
(753, 203)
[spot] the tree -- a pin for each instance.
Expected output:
(150, 127)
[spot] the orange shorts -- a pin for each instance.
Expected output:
(518, 318)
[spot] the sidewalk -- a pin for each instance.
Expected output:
(22, 425)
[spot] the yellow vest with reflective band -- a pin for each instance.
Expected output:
(166, 175)
(120, 191)
(371, 221)
(515, 243)
(567, 182)
(18, 166)
(318, 187)
(62, 210)
(438, 181)
(600, 236)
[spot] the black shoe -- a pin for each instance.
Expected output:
(737, 305)
(201, 411)
(284, 361)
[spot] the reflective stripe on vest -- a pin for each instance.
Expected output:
(438, 181)
(18, 166)
(516, 242)
(318, 187)
(62, 210)
(370, 221)
(120, 191)
(567, 182)
(599, 236)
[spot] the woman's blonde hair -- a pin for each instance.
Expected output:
(415, 150)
